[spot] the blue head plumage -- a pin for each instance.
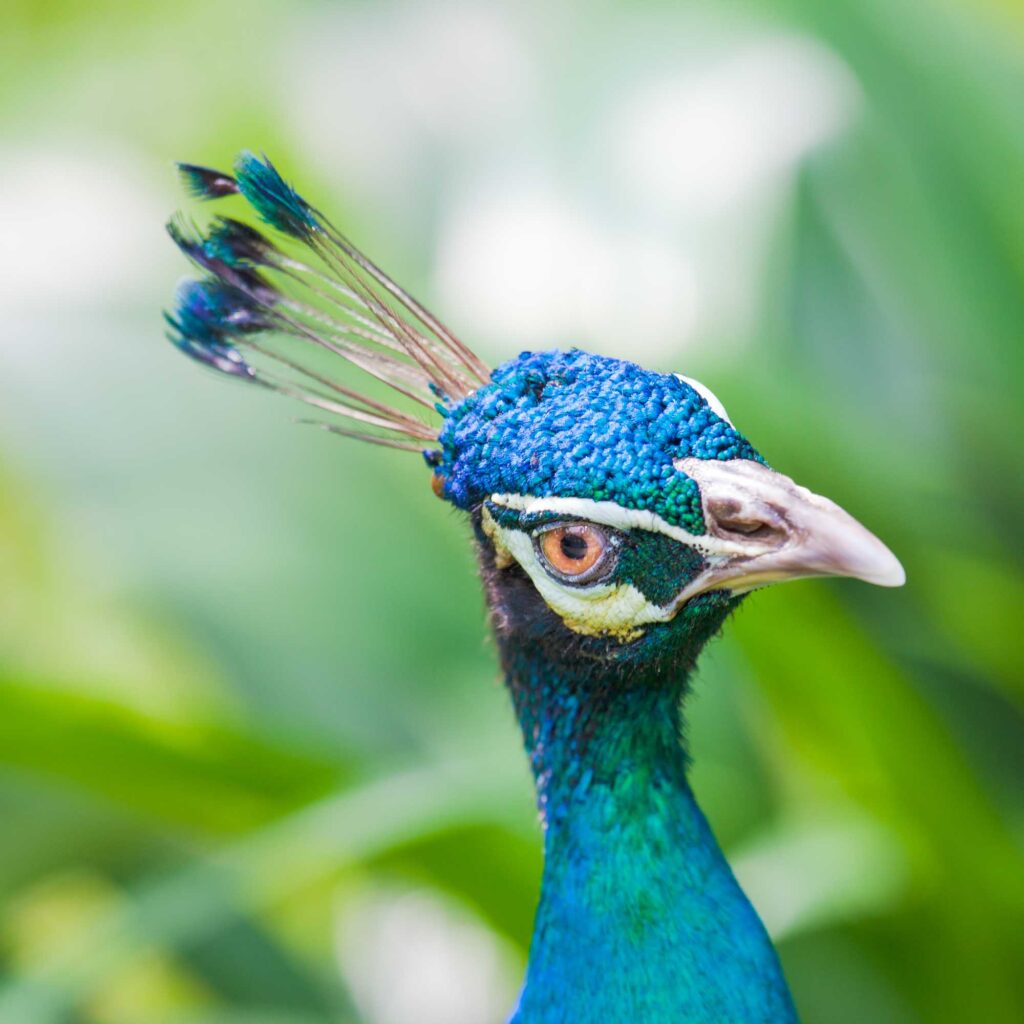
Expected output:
(572, 424)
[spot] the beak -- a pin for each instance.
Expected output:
(764, 528)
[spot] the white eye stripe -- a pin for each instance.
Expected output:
(709, 396)
(608, 513)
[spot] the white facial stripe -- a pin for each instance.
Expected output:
(608, 513)
(708, 395)
(615, 609)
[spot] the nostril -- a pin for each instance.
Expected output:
(748, 527)
(729, 516)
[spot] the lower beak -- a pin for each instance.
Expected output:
(764, 528)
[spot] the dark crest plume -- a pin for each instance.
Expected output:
(263, 315)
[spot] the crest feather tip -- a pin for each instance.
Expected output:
(205, 182)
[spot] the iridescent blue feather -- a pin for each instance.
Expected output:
(201, 324)
(214, 255)
(238, 244)
(277, 203)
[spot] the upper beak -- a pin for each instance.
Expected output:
(763, 528)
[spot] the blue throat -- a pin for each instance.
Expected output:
(640, 917)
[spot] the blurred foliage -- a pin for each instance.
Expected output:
(243, 674)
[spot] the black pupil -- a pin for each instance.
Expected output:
(574, 546)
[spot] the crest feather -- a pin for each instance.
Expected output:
(255, 296)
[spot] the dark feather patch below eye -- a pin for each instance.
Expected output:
(658, 566)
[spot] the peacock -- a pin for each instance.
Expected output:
(618, 516)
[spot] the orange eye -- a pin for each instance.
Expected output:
(575, 550)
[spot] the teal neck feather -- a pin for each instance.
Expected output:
(640, 917)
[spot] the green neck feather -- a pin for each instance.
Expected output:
(640, 917)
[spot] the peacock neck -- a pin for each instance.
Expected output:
(640, 917)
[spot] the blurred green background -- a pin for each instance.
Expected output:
(257, 766)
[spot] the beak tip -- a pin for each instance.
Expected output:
(886, 571)
(895, 577)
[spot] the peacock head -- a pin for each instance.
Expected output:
(620, 515)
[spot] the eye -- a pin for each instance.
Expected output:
(576, 552)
